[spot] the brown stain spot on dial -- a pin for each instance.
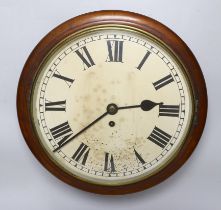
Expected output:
(104, 90)
(87, 97)
(130, 76)
(113, 82)
(91, 74)
(100, 65)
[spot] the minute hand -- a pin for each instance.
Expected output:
(81, 131)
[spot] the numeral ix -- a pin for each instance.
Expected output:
(55, 106)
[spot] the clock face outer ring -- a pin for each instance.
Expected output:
(168, 37)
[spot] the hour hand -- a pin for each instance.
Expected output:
(145, 105)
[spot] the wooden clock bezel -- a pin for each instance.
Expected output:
(138, 21)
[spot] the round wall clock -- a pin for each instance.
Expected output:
(112, 102)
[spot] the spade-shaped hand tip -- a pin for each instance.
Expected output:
(147, 105)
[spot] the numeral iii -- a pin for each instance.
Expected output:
(169, 110)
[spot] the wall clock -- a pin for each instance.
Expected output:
(112, 102)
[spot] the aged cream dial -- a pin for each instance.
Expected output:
(111, 105)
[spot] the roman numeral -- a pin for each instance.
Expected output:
(109, 163)
(138, 157)
(55, 106)
(85, 57)
(81, 154)
(143, 60)
(162, 82)
(61, 132)
(68, 81)
(159, 137)
(115, 51)
(169, 110)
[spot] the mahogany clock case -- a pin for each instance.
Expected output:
(146, 24)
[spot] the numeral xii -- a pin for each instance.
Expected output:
(115, 51)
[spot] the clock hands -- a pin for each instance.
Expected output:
(112, 109)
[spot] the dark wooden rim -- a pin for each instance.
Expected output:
(129, 19)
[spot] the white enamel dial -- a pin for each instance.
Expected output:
(111, 105)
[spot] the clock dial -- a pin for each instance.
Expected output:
(111, 105)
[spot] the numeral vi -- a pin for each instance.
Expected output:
(109, 163)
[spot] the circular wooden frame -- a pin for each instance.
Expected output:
(146, 24)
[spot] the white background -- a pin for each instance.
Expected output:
(25, 184)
